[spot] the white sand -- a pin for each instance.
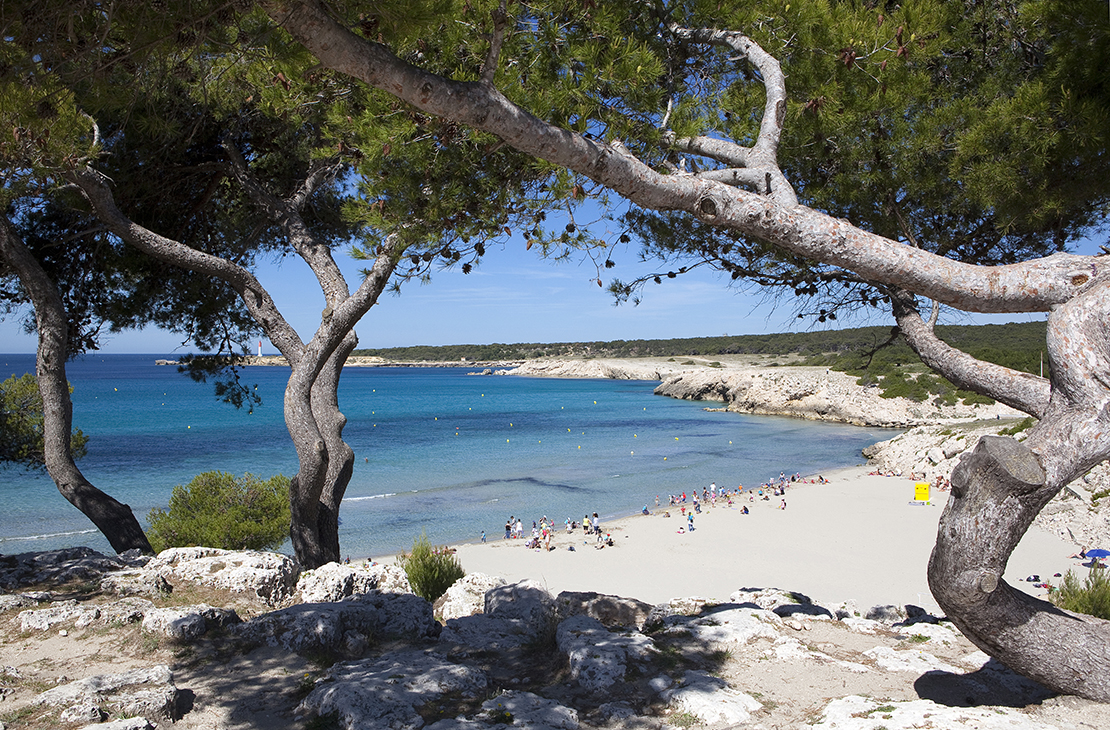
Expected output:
(858, 537)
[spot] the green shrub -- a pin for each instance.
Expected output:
(218, 510)
(1091, 598)
(431, 570)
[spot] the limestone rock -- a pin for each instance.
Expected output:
(598, 658)
(328, 626)
(135, 582)
(887, 614)
(782, 603)
(185, 623)
(816, 394)
(391, 578)
(691, 606)
(864, 713)
(515, 614)
(725, 629)
(148, 691)
(131, 723)
(530, 712)
(939, 633)
(612, 611)
(908, 660)
(14, 601)
(482, 633)
(334, 581)
(59, 612)
(527, 600)
(125, 611)
(385, 692)
(270, 577)
(711, 700)
(466, 596)
(56, 566)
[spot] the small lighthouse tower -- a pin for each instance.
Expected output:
(260, 348)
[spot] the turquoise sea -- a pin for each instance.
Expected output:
(437, 449)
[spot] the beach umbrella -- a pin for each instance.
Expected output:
(1098, 553)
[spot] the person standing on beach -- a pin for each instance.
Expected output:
(509, 528)
(483, 536)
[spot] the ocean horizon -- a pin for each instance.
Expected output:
(439, 451)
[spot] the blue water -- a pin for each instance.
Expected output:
(436, 449)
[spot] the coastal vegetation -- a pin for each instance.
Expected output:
(220, 510)
(21, 424)
(1090, 596)
(1017, 344)
(430, 570)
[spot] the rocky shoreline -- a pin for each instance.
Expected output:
(203, 639)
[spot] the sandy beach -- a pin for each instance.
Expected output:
(859, 537)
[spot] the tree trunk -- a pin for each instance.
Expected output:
(997, 491)
(341, 457)
(325, 462)
(114, 519)
(307, 485)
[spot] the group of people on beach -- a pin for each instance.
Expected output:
(688, 503)
(543, 531)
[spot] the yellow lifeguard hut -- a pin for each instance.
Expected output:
(921, 492)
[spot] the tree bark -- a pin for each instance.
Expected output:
(341, 457)
(114, 519)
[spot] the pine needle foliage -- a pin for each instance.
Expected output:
(220, 510)
(431, 570)
(1091, 597)
(21, 424)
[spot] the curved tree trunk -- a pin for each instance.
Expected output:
(114, 519)
(341, 457)
(311, 413)
(997, 491)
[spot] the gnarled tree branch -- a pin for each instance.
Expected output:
(1023, 391)
(1025, 287)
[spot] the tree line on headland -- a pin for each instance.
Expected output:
(1017, 345)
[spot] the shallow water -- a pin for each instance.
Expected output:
(437, 450)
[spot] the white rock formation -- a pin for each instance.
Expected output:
(336, 581)
(815, 394)
(147, 691)
(864, 713)
(599, 658)
(181, 624)
(711, 700)
(344, 625)
(466, 596)
(270, 577)
(385, 692)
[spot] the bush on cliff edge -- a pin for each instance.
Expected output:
(219, 510)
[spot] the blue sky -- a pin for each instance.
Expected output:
(515, 296)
